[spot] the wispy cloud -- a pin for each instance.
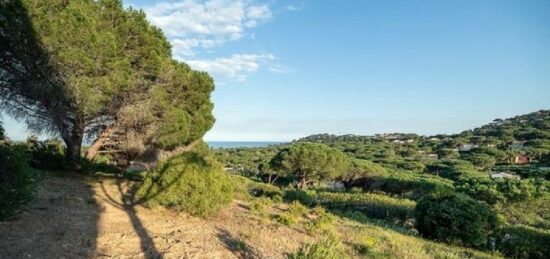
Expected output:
(295, 7)
(196, 27)
(237, 67)
(193, 24)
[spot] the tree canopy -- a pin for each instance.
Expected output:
(94, 69)
(311, 162)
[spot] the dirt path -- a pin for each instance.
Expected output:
(76, 218)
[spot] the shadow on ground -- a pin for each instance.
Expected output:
(127, 205)
(236, 245)
(60, 222)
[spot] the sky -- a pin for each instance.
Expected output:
(288, 69)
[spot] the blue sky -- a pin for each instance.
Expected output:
(287, 69)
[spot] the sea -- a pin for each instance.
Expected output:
(237, 144)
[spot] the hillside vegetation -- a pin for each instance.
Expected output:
(501, 168)
(147, 186)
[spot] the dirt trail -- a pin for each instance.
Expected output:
(77, 218)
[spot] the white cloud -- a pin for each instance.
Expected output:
(294, 8)
(236, 67)
(194, 24)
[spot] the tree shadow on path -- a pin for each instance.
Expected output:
(128, 205)
(60, 222)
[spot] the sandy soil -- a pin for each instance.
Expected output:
(91, 218)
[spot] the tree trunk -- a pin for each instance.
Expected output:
(74, 142)
(92, 152)
(303, 183)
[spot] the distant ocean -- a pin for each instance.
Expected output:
(235, 144)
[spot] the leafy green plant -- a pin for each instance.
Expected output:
(329, 247)
(285, 218)
(524, 242)
(456, 218)
(17, 180)
(191, 182)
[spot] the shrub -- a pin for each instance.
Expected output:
(46, 155)
(297, 209)
(285, 218)
(322, 222)
(372, 205)
(329, 247)
(191, 182)
(410, 185)
(456, 218)
(298, 195)
(265, 190)
(524, 242)
(16, 180)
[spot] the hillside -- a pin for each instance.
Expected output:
(504, 164)
(90, 218)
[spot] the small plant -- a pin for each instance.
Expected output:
(357, 216)
(323, 222)
(285, 218)
(277, 198)
(297, 209)
(366, 245)
(329, 247)
(259, 207)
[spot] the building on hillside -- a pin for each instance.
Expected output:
(432, 156)
(520, 160)
(517, 145)
(466, 147)
(403, 141)
(505, 175)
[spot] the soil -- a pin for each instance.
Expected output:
(91, 218)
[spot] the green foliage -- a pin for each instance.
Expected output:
(285, 218)
(93, 69)
(452, 169)
(322, 222)
(192, 182)
(409, 185)
(2, 132)
(17, 180)
(524, 242)
(493, 191)
(533, 212)
(311, 162)
(373, 205)
(456, 219)
(46, 155)
(329, 247)
(361, 168)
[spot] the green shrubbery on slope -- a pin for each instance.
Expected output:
(192, 182)
(16, 180)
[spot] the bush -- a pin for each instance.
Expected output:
(46, 155)
(329, 247)
(265, 190)
(191, 182)
(285, 218)
(373, 205)
(524, 242)
(457, 219)
(16, 180)
(410, 185)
